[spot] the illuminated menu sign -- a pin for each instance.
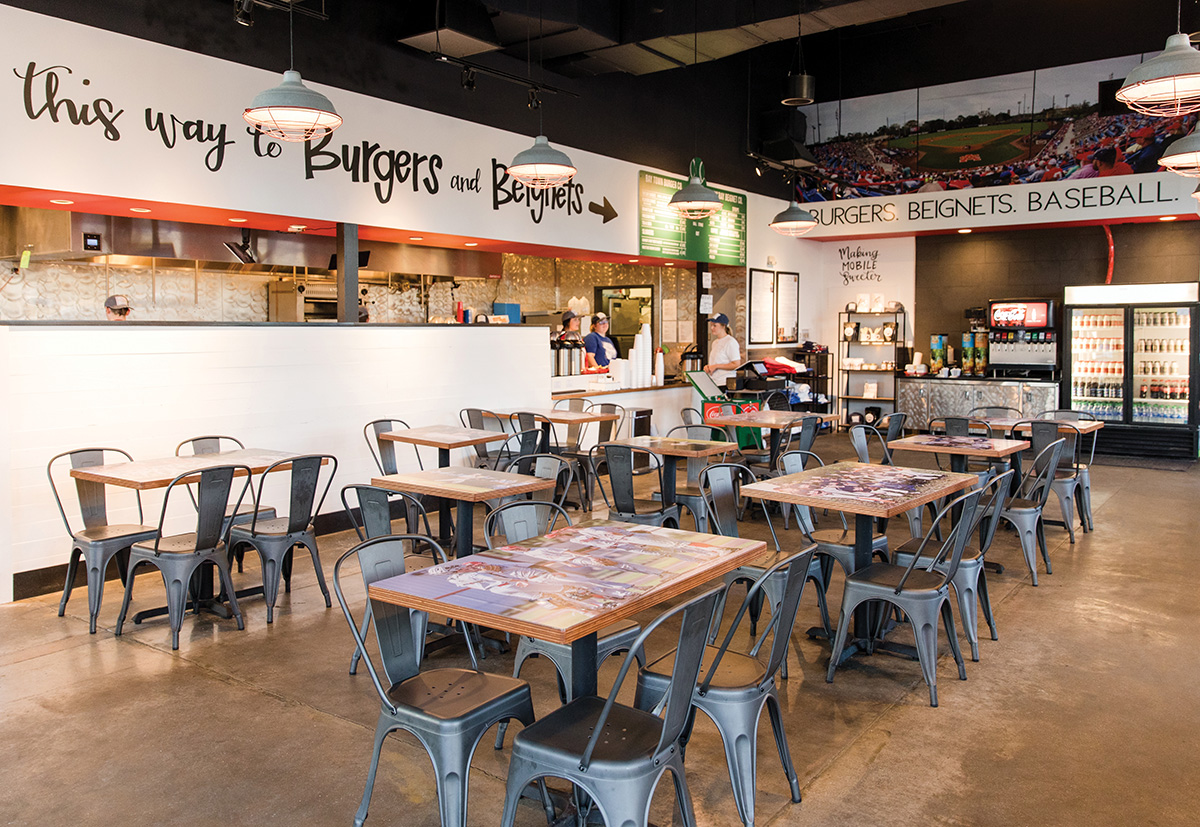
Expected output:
(720, 239)
(1020, 314)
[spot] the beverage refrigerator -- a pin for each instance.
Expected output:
(1130, 360)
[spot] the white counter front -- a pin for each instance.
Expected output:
(310, 388)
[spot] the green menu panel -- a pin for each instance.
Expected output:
(720, 239)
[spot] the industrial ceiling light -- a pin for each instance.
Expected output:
(244, 12)
(541, 167)
(801, 88)
(696, 201)
(291, 111)
(795, 221)
(1183, 156)
(1169, 84)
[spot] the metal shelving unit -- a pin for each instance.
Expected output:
(852, 401)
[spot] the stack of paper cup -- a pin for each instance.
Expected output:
(660, 368)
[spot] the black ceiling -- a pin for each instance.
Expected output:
(649, 118)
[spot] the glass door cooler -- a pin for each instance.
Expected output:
(1130, 361)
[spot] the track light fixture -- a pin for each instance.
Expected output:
(243, 12)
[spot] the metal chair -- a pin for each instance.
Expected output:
(479, 418)
(526, 420)
(970, 580)
(619, 459)
(375, 520)
(719, 484)
(179, 556)
(1067, 481)
(520, 521)
(383, 451)
(962, 426)
(575, 430)
(738, 685)
(688, 495)
(275, 539)
(893, 425)
(690, 416)
(921, 593)
(98, 541)
(606, 431)
(1024, 508)
(1083, 468)
(520, 444)
(860, 439)
(448, 710)
(547, 467)
(617, 754)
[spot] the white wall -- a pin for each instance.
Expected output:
(890, 268)
(790, 255)
(305, 388)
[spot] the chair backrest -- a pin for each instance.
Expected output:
(998, 411)
(810, 426)
(690, 416)
(308, 490)
(947, 558)
(1072, 434)
(893, 425)
(776, 401)
(782, 619)
(620, 462)
(1076, 416)
(1045, 431)
(383, 451)
(793, 462)
(1036, 485)
(520, 444)
(398, 631)
(478, 418)
(575, 430)
(860, 438)
(547, 467)
(958, 425)
(93, 507)
(208, 444)
(212, 494)
(522, 520)
(374, 511)
(990, 503)
(693, 635)
(719, 487)
(527, 420)
(608, 431)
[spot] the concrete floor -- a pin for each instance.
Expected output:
(1082, 712)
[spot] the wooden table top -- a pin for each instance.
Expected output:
(672, 447)
(1084, 426)
(571, 582)
(861, 488)
(462, 483)
(975, 446)
(444, 436)
(560, 416)
(765, 419)
(146, 474)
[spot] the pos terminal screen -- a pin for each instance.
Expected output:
(705, 384)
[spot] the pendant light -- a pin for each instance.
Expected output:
(795, 221)
(291, 111)
(696, 201)
(1169, 84)
(541, 167)
(801, 88)
(1183, 156)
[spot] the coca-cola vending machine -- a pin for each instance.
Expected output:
(1023, 339)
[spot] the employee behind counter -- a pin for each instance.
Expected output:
(724, 355)
(600, 349)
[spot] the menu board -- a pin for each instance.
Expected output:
(762, 307)
(787, 308)
(662, 232)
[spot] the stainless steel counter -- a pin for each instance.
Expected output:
(924, 398)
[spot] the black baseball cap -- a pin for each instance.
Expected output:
(568, 315)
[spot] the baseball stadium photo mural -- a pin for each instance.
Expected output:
(1024, 128)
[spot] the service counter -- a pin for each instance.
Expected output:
(665, 401)
(924, 398)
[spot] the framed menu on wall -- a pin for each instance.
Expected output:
(761, 308)
(787, 308)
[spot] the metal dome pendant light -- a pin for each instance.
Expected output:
(696, 201)
(541, 167)
(801, 88)
(291, 111)
(1183, 156)
(795, 221)
(1169, 84)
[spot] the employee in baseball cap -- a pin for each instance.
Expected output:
(600, 349)
(724, 355)
(570, 325)
(116, 308)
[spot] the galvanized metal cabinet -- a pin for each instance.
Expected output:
(912, 400)
(926, 399)
(1037, 397)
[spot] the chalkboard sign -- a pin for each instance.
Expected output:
(663, 233)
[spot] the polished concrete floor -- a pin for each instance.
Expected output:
(1082, 713)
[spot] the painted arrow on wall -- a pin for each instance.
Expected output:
(607, 210)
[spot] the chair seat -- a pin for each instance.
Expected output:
(447, 694)
(276, 527)
(886, 577)
(174, 544)
(560, 737)
(102, 533)
(737, 671)
(1020, 504)
(651, 506)
(840, 537)
(905, 551)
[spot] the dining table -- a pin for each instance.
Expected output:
(149, 474)
(445, 438)
(672, 450)
(555, 416)
(868, 492)
(775, 421)
(567, 585)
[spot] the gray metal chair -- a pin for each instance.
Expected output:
(970, 580)
(97, 541)
(479, 419)
(383, 451)
(575, 430)
(519, 521)
(738, 685)
(1083, 467)
(1074, 483)
(920, 592)
(690, 416)
(211, 444)
(179, 556)
(374, 519)
(548, 467)
(688, 495)
(893, 425)
(448, 710)
(605, 432)
(967, 426)
(274, 540)
(520, 444)
(617, 754)
(1024, 508)
(619, 460)
(1066, 485)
